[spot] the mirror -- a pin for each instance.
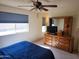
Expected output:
(59, 23)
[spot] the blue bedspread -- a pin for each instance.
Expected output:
(25, 50)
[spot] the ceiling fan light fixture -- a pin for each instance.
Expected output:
(38, 6)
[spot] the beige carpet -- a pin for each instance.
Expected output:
(59, 54)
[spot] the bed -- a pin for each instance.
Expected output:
(25, 50)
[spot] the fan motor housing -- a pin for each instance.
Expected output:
(38, 4)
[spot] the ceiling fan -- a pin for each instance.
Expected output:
(39, 6)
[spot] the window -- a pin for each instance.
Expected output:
(22, 27)
(12, 23)
(13, 28)
(7, 28)
(43, 24)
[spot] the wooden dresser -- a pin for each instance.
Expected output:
(61, 42)
(64, 43)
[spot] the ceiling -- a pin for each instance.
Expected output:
(64, 6)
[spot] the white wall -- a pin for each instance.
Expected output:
(34, 26)
(75, 31)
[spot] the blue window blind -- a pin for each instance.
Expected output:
(6, 17)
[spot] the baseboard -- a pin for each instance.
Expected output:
(37, 40)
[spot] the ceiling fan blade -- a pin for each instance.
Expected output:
(45, 9)
(32, 9)
(49, 5)
(25, 6)
(33, 0)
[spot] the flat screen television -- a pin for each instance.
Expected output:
(52, 29)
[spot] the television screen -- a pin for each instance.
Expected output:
(52, 29)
